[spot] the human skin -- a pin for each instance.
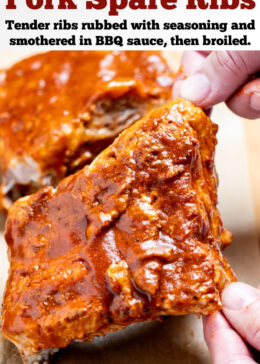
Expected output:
(228, 334)
(206, 79)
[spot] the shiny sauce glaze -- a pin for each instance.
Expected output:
(47, 102)
(134, 236)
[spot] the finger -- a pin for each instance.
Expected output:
(225, 345)
(190, 63)
(241, 306)
(246, 102)
(220, 75)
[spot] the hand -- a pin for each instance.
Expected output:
(228, 333)
(213, 77)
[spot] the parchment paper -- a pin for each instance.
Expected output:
(177, 339)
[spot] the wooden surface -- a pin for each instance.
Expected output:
(252, 131)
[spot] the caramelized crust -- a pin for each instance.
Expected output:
(58, 110)
(134, 236)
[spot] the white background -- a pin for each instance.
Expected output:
(181, 14)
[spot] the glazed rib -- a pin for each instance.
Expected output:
(58, 110)
(134, 236)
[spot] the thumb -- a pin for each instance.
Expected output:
(220, 75)
(241, 306)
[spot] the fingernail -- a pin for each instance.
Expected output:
(255, 101)
(239, 295)
(196, 87)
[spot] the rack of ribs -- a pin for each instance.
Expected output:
(134, 236)
(58, 110)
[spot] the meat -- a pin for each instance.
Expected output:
(132, 237)
(58, 110)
